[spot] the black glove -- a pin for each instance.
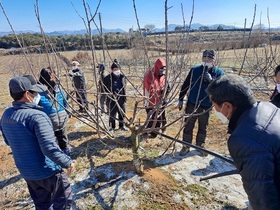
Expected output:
(180, 105)
(207, 77)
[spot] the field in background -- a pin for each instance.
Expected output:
(85, 142)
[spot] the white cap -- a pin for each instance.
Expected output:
(75, 63)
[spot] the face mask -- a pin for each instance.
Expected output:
(74, 67)
(220, 115)
(117, 72)
(36, 99)
(278, 87)
(209, 65)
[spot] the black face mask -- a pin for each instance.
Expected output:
(162, 71)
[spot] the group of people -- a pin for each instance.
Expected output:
(37, 109)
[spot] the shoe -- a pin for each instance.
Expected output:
(144, 137)
(153, 135)
(203, 154)
(111, 130)
(123, 128)
(184, 151)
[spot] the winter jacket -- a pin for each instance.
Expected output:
(276, 99)
(55, 108)
(154, 84)
(29, 133)
(254, 145)
(196, 85)
(78, 79)
(110, 82)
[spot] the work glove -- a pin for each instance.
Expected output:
(180, 105)
(207, 77)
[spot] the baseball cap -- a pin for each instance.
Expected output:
(75, 63)
(20, 84)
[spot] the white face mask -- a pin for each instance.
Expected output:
(36, 99)
(221, 116)
(117, 72)
(74, 67)
(278, 87)
(210, 65)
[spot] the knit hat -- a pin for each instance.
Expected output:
(115, 65)
(20, 84)
(209, 54)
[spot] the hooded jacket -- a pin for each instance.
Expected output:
(154, 84)
(29, 133)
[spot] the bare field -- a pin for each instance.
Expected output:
(104, 176)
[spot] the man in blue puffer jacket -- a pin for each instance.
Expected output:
(254, 143)
(29, 133)
(54, 104)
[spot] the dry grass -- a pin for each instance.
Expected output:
(91, 151)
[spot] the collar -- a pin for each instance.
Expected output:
(237, 114)
(25, 105)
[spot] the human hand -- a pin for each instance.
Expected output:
(180, 105)
(207, 77)
(70, 169)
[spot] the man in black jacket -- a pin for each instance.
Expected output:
(79, 83)
(115, 85)
(254, 143)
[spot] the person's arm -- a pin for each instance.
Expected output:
(47, 141)
(4, 137)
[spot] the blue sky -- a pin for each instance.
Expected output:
(59, 15)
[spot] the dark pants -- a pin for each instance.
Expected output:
(203, 120)
(113, 110)
(102, 101)
(62, 138)
(160, 120)
(53, 193)
(81, 96)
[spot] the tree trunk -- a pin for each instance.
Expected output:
(137, 161)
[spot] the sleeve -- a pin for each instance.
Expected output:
(4, 137)
(257, 169)
(47, 142)
(65, 103)
(185, 87)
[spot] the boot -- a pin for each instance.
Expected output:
(184, 151)
(203, 154)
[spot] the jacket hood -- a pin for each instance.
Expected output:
(158, 64)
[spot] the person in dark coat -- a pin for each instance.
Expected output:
(115, 87)
(275, 97)
(197, 80)
(79, 84)
(254, 142)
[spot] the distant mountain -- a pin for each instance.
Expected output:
(68, 32)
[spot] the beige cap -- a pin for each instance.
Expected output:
(75, 63)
